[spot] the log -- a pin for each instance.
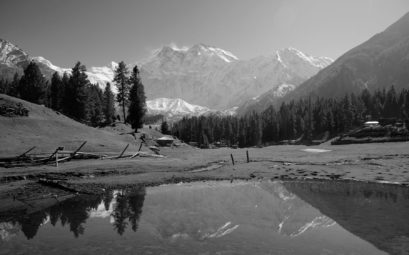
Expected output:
(53, 154)
(63, 159)
(24, 154)
(117, 157)
(135, 155)
(144, 154)
(122, 153)
(79, 148)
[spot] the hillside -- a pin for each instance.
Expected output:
(47, 129)
(378, 63)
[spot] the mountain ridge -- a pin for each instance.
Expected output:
(201, 74)
(379, 62)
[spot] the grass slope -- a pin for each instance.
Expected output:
(47, 129)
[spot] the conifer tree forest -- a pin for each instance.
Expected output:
(74, 95)
(302, 120)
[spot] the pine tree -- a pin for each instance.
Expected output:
(3, 86)
(121, 81)
(390, 108)
(109, 105)
(56, 92)
(32, 85)
(75, 97)
(137, 99)
(164, 128)
(94, 112)
(13, 86)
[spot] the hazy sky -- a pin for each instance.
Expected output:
(97, 32)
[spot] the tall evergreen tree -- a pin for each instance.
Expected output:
(33, 85)
(3, 86)
(137, 99)
(94, 112)
(391, 104)
(109, 104)
(14, 86)
(75, 97)
(164, 128)
(56, 92)
(121, 81)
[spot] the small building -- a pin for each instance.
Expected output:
(371, 123)
(165, 141)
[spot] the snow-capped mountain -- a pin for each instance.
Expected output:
(102, 75)
(174, 107)
(13, 59)
(201, 75)
(11, 55)
(215, 78)
(96, 75)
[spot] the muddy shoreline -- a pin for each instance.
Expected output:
(383, 163)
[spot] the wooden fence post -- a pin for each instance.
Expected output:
(232, 159)
(247, 154)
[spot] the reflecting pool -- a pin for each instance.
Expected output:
(309, 217)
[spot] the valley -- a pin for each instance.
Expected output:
(194, 149)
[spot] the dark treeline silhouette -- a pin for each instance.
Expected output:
(302, 120)
(74, 95)
(74, 213)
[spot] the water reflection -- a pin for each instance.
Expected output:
(122, 206)
(377, 213)
(220, 217)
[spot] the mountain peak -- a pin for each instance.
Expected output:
(11, 55)
(174, 107)
(199, 49)
(213, 51)
(289, 54)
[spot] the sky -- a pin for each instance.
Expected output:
(97, 32)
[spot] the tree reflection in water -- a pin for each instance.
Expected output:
(74, 212)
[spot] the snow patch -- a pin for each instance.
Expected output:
(316, 150)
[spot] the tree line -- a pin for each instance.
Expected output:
(74, 95)
(302, 120)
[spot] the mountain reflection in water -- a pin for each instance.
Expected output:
(220, 217)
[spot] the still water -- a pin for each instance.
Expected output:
(220, 218)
